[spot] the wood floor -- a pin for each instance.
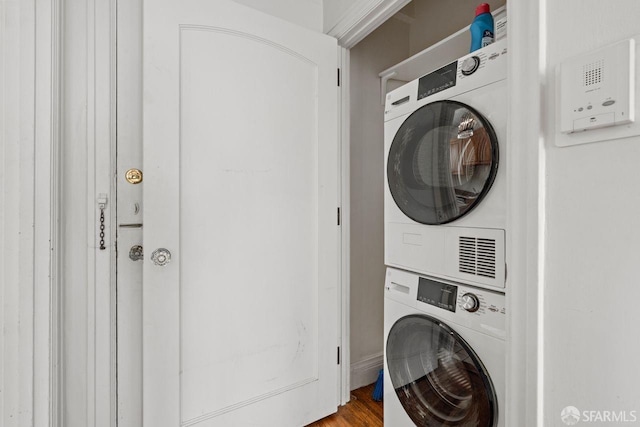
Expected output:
(361, 411)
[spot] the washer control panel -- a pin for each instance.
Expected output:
(452, 297)
(474, 307)
(480, 302)
(482, 310)
(438, 294)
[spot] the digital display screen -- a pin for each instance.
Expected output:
(439, 294)
(438, 80)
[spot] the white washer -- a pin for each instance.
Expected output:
(444, 357)
(445, 171)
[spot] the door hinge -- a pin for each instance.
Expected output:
(338, 355)
(339, 219)
(338, 76)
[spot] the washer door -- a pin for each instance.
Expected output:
(442, 162)
(438, 378)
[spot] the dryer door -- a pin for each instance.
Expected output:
(438, 378)
(442, 162)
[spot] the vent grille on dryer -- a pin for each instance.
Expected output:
(477, 256)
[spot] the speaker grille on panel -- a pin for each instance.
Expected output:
(592, 72)
(477, 256)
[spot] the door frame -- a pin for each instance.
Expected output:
(359, 21)
(83, 343)
(523, 370)
(29, 163)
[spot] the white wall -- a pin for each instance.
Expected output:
(383, 48)
(334, 11)
(591, 344)
(306, 13)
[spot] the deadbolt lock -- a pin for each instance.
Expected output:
(133, 176)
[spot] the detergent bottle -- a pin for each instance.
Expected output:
(481, 28)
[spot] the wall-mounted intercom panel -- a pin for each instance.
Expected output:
(596, 90)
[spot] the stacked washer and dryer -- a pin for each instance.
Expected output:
(445, 222)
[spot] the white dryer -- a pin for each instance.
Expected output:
(444, 353)
(445, 174)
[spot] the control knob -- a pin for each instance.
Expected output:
(470, 302)
(470, 65)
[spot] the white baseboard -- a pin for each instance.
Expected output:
(365, 372)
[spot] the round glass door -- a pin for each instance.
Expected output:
(438, 378)
(442, 162)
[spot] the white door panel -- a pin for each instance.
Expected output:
(240, 163)
(262, 222)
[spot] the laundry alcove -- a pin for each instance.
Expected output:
(384, 60)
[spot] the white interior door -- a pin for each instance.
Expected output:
(241, 187)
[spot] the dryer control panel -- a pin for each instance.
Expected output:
(437, 81)
(480, 68)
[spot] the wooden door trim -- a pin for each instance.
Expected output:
(31, 248)
(359, 21)
(83, 338)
